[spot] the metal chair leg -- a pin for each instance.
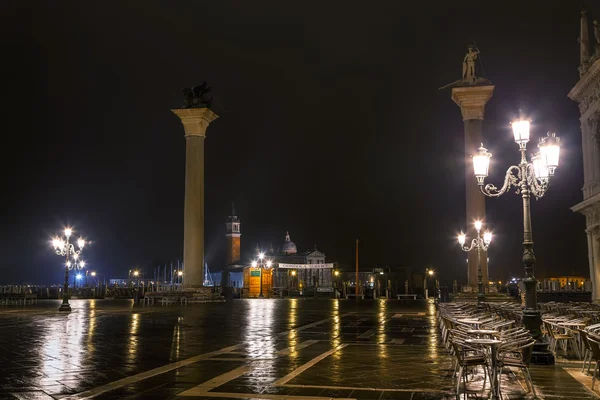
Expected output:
(531, 383)
(458, 379)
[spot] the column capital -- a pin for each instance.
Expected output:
(472, 100)
(195, 120)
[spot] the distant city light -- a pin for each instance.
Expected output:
(78, 276)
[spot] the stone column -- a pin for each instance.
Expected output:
(472, 101)
(594, 244)
(195, 121)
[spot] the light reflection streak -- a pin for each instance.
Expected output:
(259, 334)
(176, 340)
(293, 321)
(133, 338)
(381, 336)
(336, 340)
(91, 328)
(61, 348)
(433, 331)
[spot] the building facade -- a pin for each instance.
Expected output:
(587, 94)
(292, 269)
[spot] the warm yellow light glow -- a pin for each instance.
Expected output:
(487, 237)
(521, 131)
(254, 263)
(430, 272)
(93, 273)
(499, 282)
(293, 273)
(462, 238)
(336, 273)
(80, 243)
(261, 255)
(75, 256)
(180, 273)
(56, 243)
(478, 224)
(82, 263)
(481, 163)
(68, 263)
(269, 263)
(68, 232)
(136, 273)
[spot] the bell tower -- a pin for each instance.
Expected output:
(233, 233)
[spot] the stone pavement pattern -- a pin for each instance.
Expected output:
(248, 349)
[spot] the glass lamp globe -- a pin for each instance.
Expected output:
(481, 164)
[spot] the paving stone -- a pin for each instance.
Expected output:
(359, 346)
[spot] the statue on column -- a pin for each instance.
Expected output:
(468, 73)
(468, 77)
(196, 97)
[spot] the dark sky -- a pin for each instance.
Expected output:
(331, 126)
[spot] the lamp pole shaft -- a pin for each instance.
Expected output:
(480, 295)
(261, 279)
(65, 303)
(531, 315)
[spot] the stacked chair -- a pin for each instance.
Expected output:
(460, 322)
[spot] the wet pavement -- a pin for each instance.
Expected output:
(249, 349)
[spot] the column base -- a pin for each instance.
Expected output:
(65, 307)
(541, 354)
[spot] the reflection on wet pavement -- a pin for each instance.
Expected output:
(261, 348)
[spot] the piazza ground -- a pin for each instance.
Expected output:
(247, 349)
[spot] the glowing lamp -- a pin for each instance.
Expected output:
(261, 255)
(462, 238)
(180, 273)
(82, 264)
(269, 263)
(293, 273)
(80, 243)
(481, 164)
(430, 272)
(550, 151)
(540, 168)
(254, 263)
(521, 132)
(487, 237)
(478, 225)
(93, 273)
(68, 232)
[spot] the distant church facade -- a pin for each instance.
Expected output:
(587, 94)
(290, 269)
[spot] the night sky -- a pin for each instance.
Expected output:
(331, 126)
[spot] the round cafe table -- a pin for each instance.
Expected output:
(493, 345)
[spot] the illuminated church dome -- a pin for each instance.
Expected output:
(288, 246)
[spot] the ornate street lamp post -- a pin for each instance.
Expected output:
(528, 178)
(63, 247)
(481, 244)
